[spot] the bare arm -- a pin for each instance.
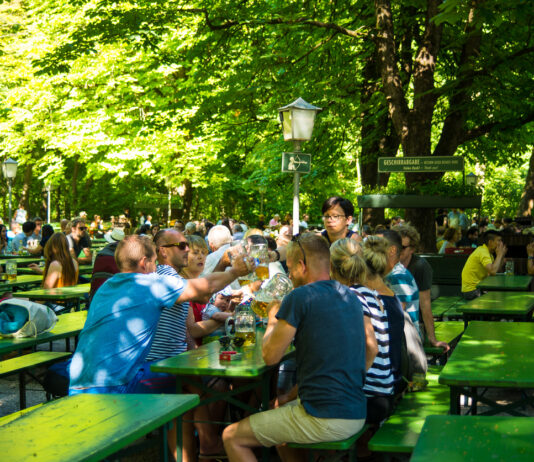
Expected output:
(54, 273)
(200, 328)
(493, 268)
(35, 268)
(371, 347)
(277, 338)
(87, 258)
(425, 306)
(201, 289)
(221, 316)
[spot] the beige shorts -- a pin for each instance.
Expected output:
(292, 424)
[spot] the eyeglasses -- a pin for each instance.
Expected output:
(333, 217)
(82, 228)
(296, 238)
(180, 245)
(404, 247)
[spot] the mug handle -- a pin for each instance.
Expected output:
(228, 327)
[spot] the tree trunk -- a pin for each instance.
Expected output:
(187, 199)
(25, 197)
(74, 186)
(424, 221)
(527, 198)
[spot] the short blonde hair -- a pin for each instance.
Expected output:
(346, 262)
(131, 250)
(375, 255)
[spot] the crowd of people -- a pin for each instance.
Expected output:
(160, 291)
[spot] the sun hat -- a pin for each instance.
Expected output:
(114, 236)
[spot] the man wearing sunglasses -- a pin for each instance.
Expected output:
(79, 242)
(325, 319)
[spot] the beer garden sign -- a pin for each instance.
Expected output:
(421, 164)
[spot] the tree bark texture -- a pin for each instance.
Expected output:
(526, 204)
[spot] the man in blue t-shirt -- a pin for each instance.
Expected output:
(125, 311)
(326, 320)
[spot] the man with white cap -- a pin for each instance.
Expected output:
(105, 265)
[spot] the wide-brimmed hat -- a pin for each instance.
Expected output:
(114, 236)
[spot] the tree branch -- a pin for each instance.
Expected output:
(360, 32)
(503, 125)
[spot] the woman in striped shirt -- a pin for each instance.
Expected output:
(362, 270)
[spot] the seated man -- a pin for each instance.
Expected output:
(124, 315)
(20, 241)
(326, 320)
(481, 263)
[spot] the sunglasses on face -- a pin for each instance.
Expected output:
(180, 245)
(296, 238)
(82, 228)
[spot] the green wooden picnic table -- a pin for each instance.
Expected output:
(491, 355)
(21, 261)
(505, 283)
(68, 325)
(508, 305)
(474, 438)
(22, 282)
(83, 269)
(89, 427)
(11, 257)
(442, 304)
(59, 294)
(204, 361)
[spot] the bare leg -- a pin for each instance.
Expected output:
(239, 440)
(189, 453)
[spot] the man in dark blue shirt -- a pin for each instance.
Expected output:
(326, 320)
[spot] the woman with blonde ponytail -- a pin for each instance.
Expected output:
(362, 269)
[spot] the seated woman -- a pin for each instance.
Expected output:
(381, 309)
(3, 239)
(60, 269)
(450, 238)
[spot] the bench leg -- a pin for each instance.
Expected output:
(22, 390)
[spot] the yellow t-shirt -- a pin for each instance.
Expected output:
(475, 268)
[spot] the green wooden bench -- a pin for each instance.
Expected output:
(400, 432)
(442, 304)
(22, 365)
(341, 447)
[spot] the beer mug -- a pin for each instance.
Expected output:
(261, 256)
(275, 289)
(244, 323)
(11, 270)
(509, 268)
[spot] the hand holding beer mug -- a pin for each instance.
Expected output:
(276, 289)
(261, 256)
(243, 265)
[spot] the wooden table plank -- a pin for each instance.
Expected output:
(446, 331)
(24, 280)
(493, 354)
(68, 325)
(474, 439)
(505, 282)
(21, 261)
(88, 427)
(500, 304)
(59, 293)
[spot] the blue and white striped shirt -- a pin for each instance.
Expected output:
(170, 338)
(379, 379)
(401, 281)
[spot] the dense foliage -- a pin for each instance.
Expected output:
(116, 103)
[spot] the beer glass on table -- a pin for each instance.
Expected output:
(11, 270)
(244, 325)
